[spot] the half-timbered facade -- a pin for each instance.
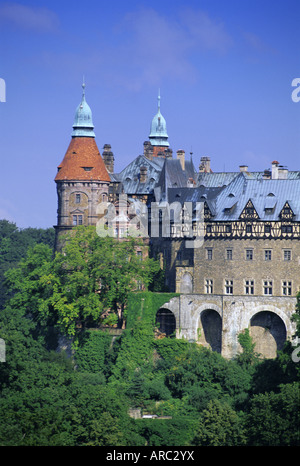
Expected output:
(251, 233)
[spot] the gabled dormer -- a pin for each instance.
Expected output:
(249, 212)
(286, 212)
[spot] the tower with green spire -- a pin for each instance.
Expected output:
(83, 122)
(82, 179)
(158, 131)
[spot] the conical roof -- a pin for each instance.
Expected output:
(158, 131)
(83, 122)
(82, 161)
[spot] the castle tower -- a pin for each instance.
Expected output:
(82, 179)
(158, 134)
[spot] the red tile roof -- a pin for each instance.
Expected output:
(82, 161)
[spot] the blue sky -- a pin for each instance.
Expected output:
(224, 69)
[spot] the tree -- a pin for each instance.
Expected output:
(220, 425)
(82, 286)
(14, 244)
(273, 418)
(248, 357)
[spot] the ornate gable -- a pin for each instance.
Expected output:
(207, 212)
(249, 211)
(286, 212)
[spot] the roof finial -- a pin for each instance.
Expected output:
(83, 88)
(158, 99)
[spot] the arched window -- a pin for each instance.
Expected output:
(166, 322)
(186, 283)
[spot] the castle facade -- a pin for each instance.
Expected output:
(229, 242)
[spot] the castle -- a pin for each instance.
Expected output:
(229, 242)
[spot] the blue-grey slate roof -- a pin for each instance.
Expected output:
(264, 194)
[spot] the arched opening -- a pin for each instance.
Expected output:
(268, 332)
(165, 322)
(186, 283)
(210, 330)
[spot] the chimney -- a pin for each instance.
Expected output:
(267, 175)
(244, 168)
(143, 174)
(148, 150)
(204, 166)
(108, 158)
(282, 173)
(181, 157)
(275, 166)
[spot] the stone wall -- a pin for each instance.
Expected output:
(268, 318)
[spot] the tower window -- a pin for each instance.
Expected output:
(77, 199)
(77, 220)
(287, 254)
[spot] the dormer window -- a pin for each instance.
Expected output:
(87, 169)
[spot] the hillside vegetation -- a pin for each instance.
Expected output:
(199, 397)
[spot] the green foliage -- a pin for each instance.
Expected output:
(273, 418)
(220, 425)
(14, 244)
(90, 280)
(202, 375)
(48, 399)
(95, 353)
(248, 357)
(296, 315)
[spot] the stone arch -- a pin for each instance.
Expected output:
(210, 329)
(186, 283)
(166, 321)
(268, 332)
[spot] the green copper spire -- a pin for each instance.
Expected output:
(83, 123)
(158, 130)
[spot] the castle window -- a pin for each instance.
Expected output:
(287, 229)
(267, 228)
(286, 288)
(229, 254)
(209, 254)
(268, 287)
(249, 254)
(228, 286)
(287, 254)
(248, 228)
(77, 220)
(208, 286)
(249, 286)
(268, 254)
(77, 199)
